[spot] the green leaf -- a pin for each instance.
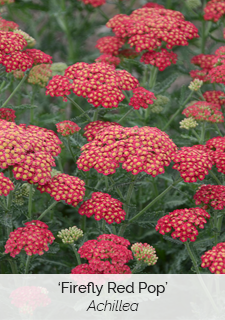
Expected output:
(164, 85)
(22, 107)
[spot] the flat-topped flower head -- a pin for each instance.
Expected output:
(210, 195)
(6, 25)
(143, 149)
(110, 45)
(214, 97)
(204, 111)
(214, 10)
(92, 128)
(59, 86)
(204, 61)
(16, 61)
(38, 56)
(67, 127)
(183, 223)
(201, 75)
(103, 206)
(65, 187)
(11, 42)
(6, 185)
(216, 148)
(101, 267)
(141, 98)
(30, 40)
(153, 5)
(70, 235)
(7, 114)
(145, 253)
(214, 259)
(160, 59)
(94, 3)
(108, 58)
(192, 163)
(33, 238)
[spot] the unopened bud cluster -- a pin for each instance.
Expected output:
(188, 123)
(195, 85)
(145, 253)
(22, 192)
(159, 103)
(55, 172)
(70, 235)
(58, 68)
(193, 4)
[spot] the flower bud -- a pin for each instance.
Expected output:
(70, 235)
(195, 85)
(58, 68)
(30, 41)
(145, 253)
(188, 123)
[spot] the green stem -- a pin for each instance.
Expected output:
(14, 91)
(102, 13)
(60, 164)
(155, 200)
(178, 111)
(215, 178)
(195, 133)
(76, 254)
(153, 75)
(117, 189)
(30, 201)
(131, 5)
(103, 225)
(79, 108)
(126, 114)
(71, 150)
(215, 228)
(95, 117)
(192, 256)
(83, 223)
(10, 195)
(27, 264)
(203, 38)
(106, 183)
(47, 210)
(202, 137)
(13, 266)
(114, 229)
(217, 128)
(219, 223)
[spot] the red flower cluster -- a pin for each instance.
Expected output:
(7, 114)
(184, 222)
(29, 150)
(110, 45)
(6, 25)
(215, 259)
(99, 82)
(2, 2)
(108, 58)
(161, 59)
(67, 128)
(103, 206)
(141, 98)
(147, 28)
(28, 298)
(204, 111)
(138, 149)
(211, 195)
(153, 5)
(214, 10)
(33, 238)
(107, 254)
(6, 185)
(214, 97)
(92, 128)
(65, 187)
(94, 3)
(38, 56)
(192, 163)
(216, 148)
(200, 74)
(204, 61)
(217, 74)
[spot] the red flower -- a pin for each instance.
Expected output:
(8, 25)
(103, 206)
(65, 187)
(215, 259)
(94, 3)
(138, 149)
(33, 238)
(205, 61)
(161, 59)
(59, 86)
(38, 56)
(211, 195)
(16, 60)
(7, 114)
(141, 98)
(145, 253)
(6, 185)
(192, 163)
(201, 75)
(153, 5)
(214, 97)
(216, 148)
(100, 267)
(184, 222)
(67, 127)
(108, 58)
(214, 10)
(110, 45)
(11, 42)
(92, 128)
(204, 111)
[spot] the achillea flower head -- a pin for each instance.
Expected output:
(101, 267)
(70, 235)
(3, 2)
(58, 68)
(38, 56)
(16, 60)
(147, 28)
(110, 45)
(195, 85)
(192, 163)
(143, 149)
(204, 61)
(210, 195)
(160, 59)
(65, 187)
(94, 3)
(92, 128)
(59, 86)
(145, 253)
(30, 40)
(33, 238)
(103, 206)
(214, 10)
(188, 123)
(214, 97)
(216, 148)
(29, 298)
(215, 259)
(141, 98)
(204, 111)
(201, 75)
(153, 5)
(11, 42)
(67, 128)
(6, 185)
(217, 74)
(6, 25)
(184, 222)
(7, 114)
(40, 75)
(108, 58)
